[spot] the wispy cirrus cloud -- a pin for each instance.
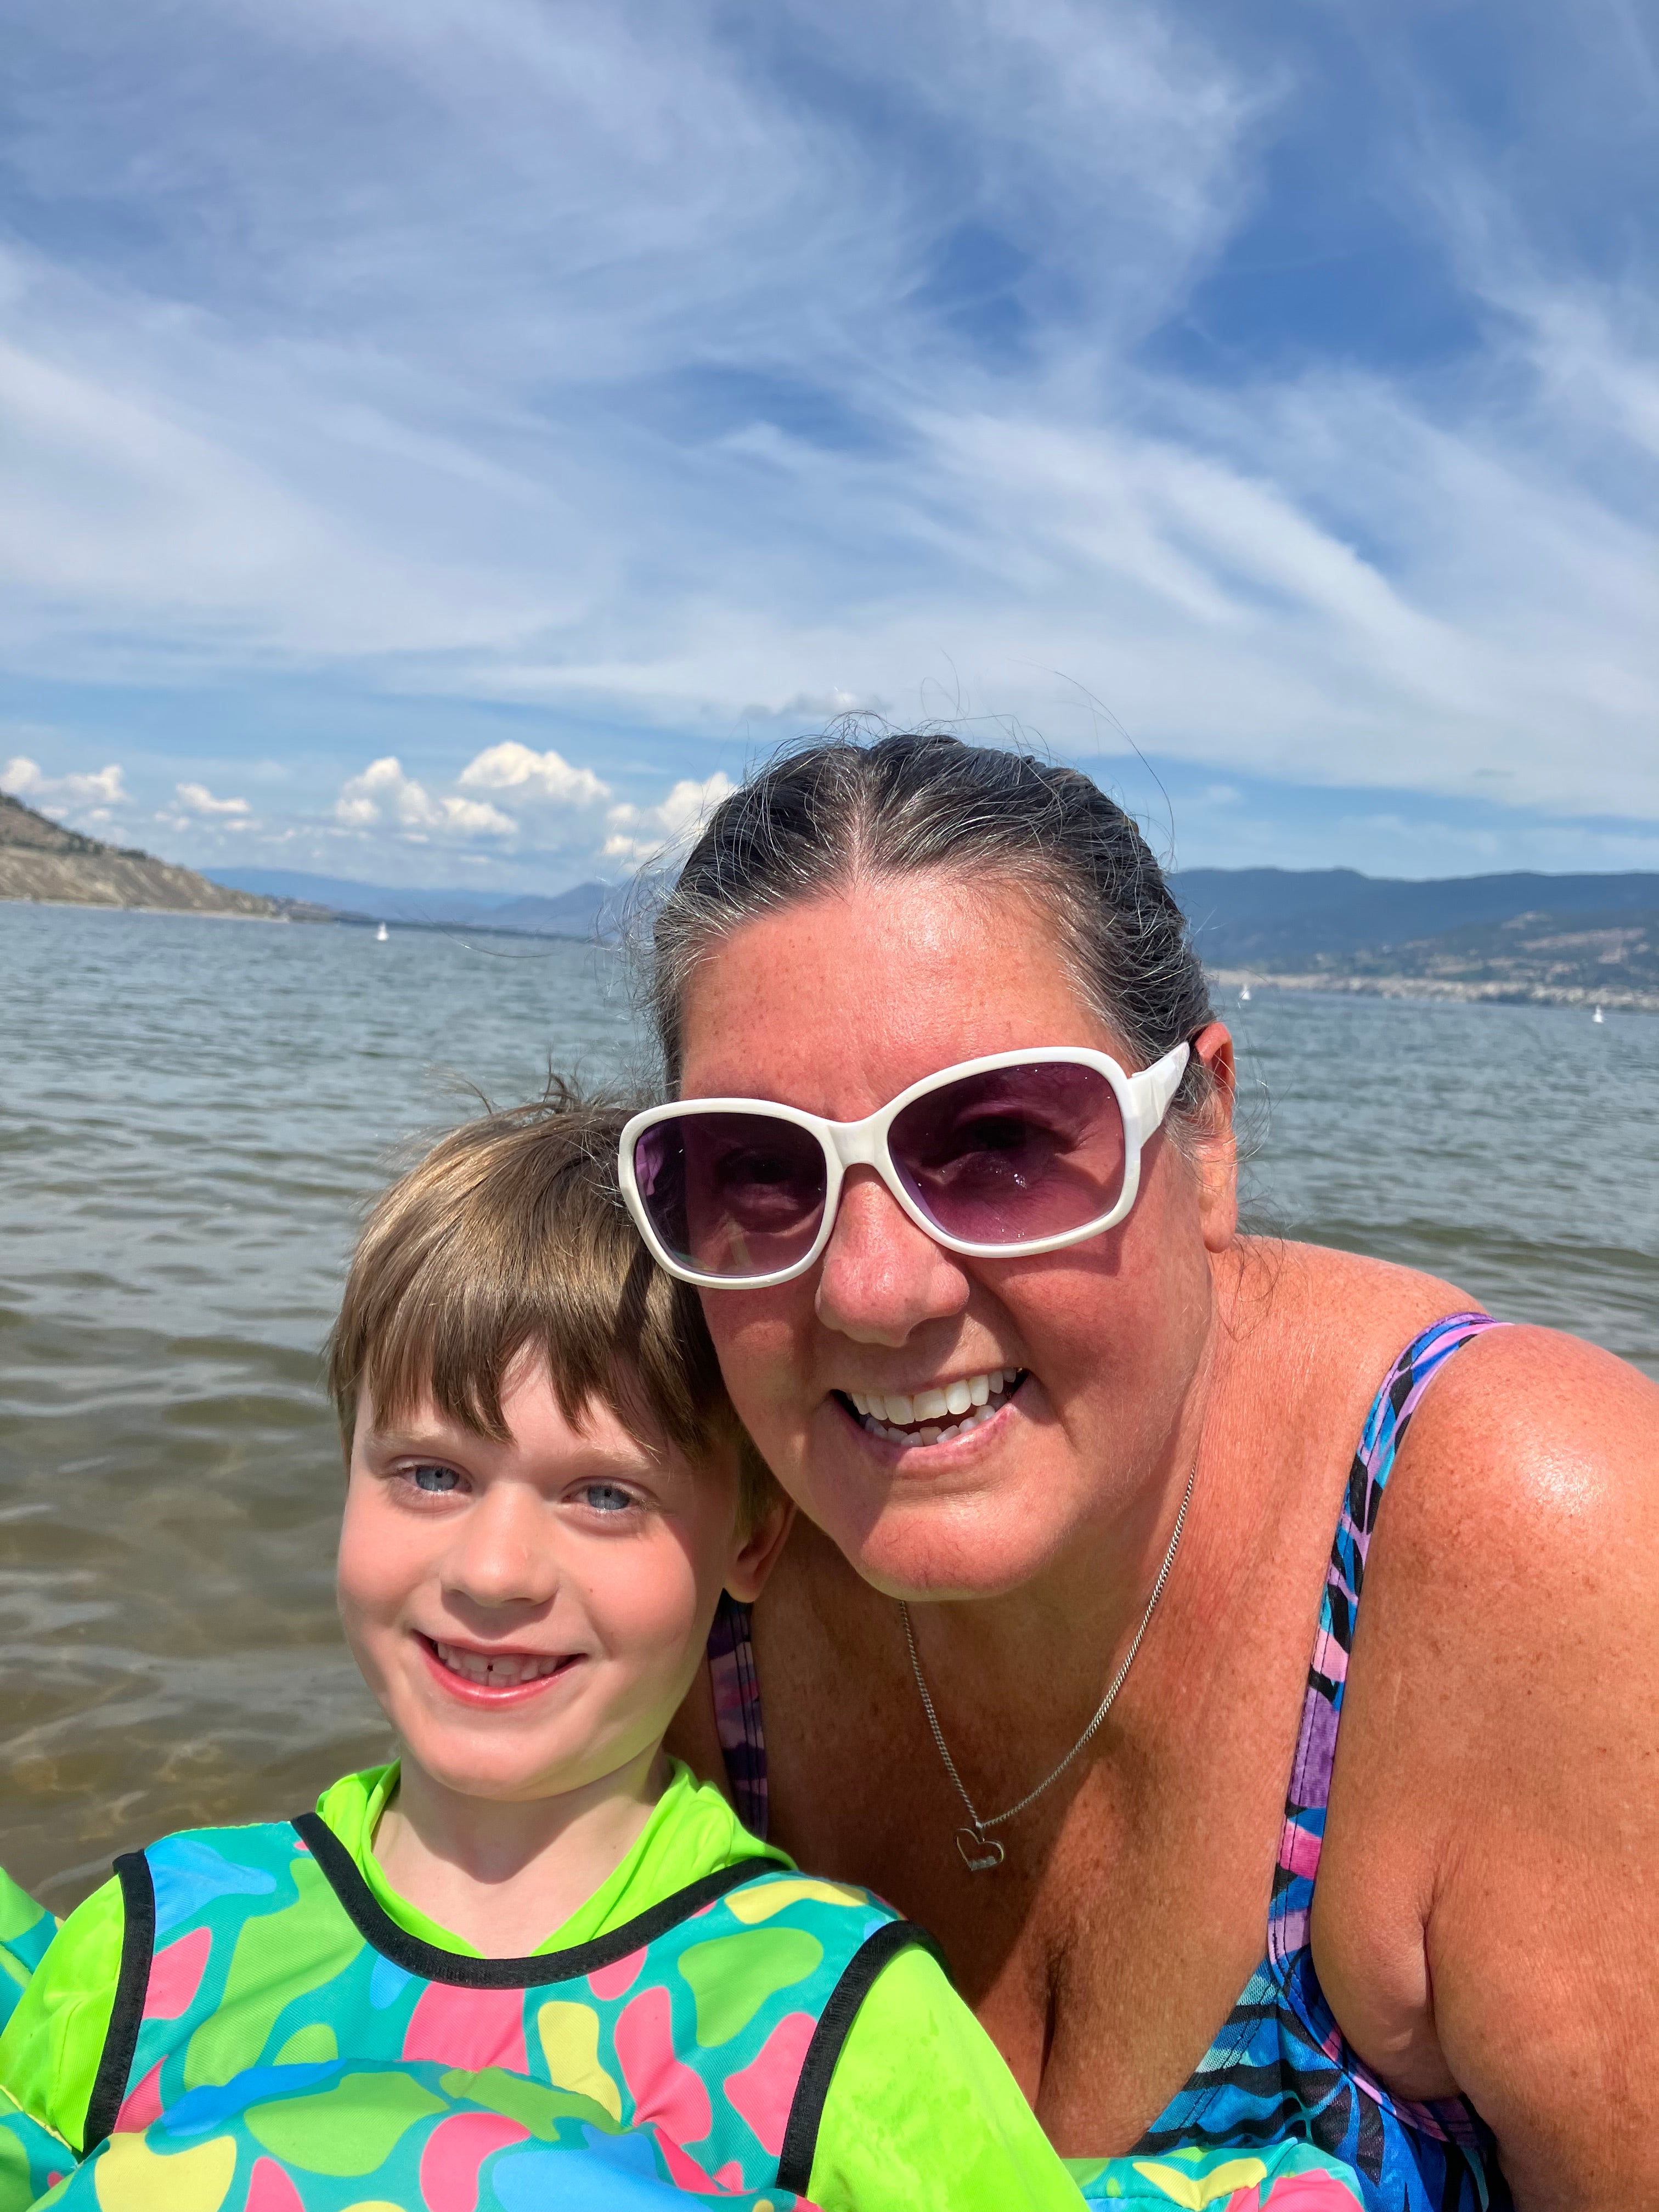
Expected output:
(648, 386)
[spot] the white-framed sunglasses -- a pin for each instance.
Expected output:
(1016, 1153)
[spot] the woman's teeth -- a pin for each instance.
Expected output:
(502, 1670)
(930, 1416)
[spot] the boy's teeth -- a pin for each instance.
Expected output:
(946, 1412)
(499, 1671)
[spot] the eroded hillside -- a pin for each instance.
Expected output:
(40, 859)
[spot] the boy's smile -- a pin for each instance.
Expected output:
(490, 1675)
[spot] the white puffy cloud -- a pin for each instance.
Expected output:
(384, 794)
(646, 833)
(197, 799)
(25, 778)
(532, 775)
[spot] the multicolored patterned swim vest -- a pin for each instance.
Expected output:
(269, 2011)
(25, 1928)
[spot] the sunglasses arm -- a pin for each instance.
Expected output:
(1155, 1086)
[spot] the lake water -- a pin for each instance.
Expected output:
(191, 1113)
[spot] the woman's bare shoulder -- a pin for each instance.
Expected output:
(1524, 1494)
(1495, 1794)
(1524, 1490)
(1530, 1445)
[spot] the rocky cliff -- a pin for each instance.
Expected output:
(41, 859)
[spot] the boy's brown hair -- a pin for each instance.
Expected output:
(509, 1238)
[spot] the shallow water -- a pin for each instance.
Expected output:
(191, 1113)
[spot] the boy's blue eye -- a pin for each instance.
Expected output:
(606, 1497)
(436, 1481)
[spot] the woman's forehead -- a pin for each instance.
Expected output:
(838, 1003)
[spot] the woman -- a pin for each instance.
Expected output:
(1046, 1413)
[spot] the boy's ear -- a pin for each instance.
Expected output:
(757, 1554)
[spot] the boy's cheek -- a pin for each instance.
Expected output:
(369, 1582)
(654, 1607)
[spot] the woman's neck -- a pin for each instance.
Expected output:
(503, 1874)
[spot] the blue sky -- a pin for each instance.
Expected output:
(444, 440)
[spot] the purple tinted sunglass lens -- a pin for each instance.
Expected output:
(731, 1194)
(1013, 1154)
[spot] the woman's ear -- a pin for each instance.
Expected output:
(758, 1551)
(1215, 1155)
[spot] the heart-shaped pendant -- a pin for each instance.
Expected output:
(980, 1853)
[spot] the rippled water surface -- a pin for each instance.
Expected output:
(191, 1113)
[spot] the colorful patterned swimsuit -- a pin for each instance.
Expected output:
(277, 2043)
(1279, 2066)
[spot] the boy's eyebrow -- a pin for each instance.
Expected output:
(400, 1436)
(622, 1457)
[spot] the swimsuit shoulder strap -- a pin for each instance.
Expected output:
(1303, 1833)
(737, 1711)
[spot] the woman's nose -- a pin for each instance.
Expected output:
(503, 1553)
(881, 1277)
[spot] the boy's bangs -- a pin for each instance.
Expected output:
(461, 1332)
(509, 1242)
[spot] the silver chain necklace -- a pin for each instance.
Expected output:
(981, 1851)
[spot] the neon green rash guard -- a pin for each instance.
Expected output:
(920, 2109)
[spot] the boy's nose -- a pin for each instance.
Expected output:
(502, 1555)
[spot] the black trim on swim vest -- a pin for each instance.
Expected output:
(800, 2136)
(132, 1983)
(382, 1934)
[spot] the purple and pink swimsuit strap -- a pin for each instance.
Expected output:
(1303, 1835)
(737, 1711)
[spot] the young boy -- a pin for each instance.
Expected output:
(532, 1966)
(533, 1921)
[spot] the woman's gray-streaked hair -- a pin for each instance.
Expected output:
(837, 808)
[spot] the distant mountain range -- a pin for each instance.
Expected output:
(1561, 940)
(1613, 957)
(575, 913)
(1292, 918)
(1267, 917)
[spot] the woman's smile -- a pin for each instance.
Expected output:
(937, 1415)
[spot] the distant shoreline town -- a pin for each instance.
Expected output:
(1611, 996)
(1521, 938)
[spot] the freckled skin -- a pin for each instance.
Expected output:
(1500, 1746)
